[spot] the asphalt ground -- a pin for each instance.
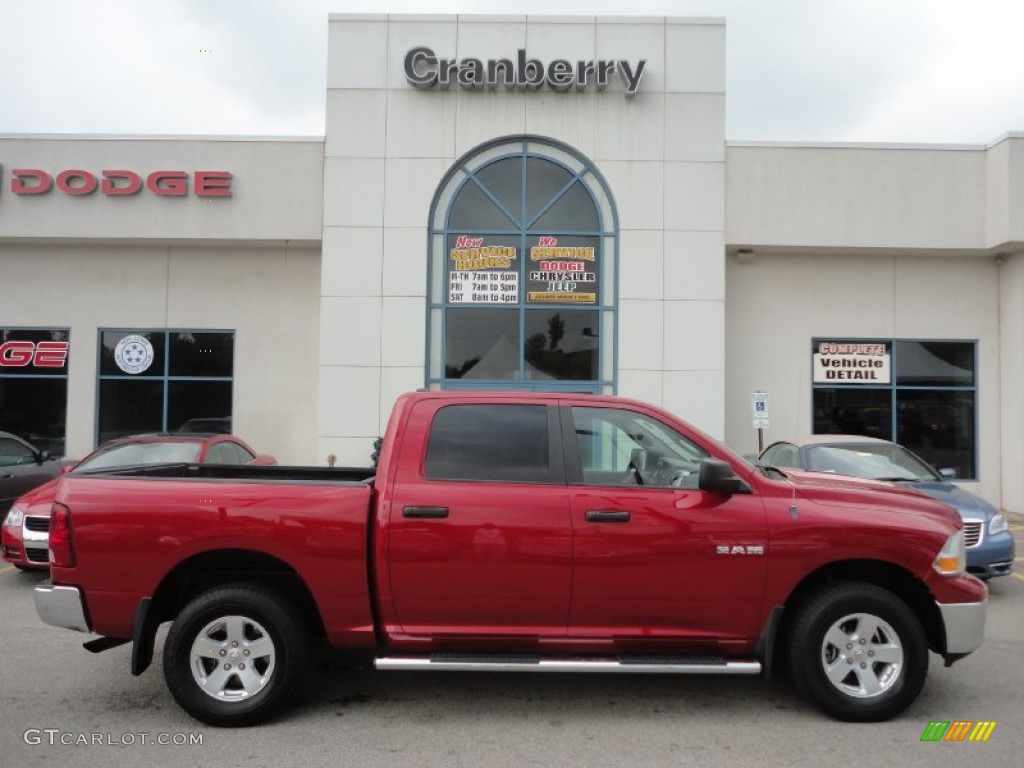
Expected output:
(62, 706)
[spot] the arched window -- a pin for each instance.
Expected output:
(523, 271)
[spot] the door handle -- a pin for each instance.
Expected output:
(606, 516)
(425, 512)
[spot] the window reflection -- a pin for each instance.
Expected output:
(561, 345)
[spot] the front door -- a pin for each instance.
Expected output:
(657, 561)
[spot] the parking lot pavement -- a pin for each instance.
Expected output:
(54, 691)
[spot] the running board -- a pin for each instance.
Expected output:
(672, 665)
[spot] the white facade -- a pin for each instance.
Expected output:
(731, 258)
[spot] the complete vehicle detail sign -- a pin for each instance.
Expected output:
(842, 362)
(424, 69)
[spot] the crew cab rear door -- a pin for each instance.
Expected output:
(478, 536)
(656, 560)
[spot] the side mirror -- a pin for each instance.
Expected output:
(44, 456)
(716, 476)
(66, 468)
(948, 472)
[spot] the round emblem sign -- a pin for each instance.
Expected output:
(133, 354)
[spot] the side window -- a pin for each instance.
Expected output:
(619, 447)
(241, 455)
(220, 453)
(497, 443)
(13, 452)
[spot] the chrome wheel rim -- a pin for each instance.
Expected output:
(232, 658)
(862, 656)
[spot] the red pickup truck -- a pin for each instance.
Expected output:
(515, 532)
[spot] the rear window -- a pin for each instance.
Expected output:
(497, 443)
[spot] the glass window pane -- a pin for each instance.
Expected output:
(853, 412)
(198, 406)
(13, 452)
(132, 353)
(938, 427)
(201, 354)
(623, 447)
(563, 270)
(33, 352)
(934, 363)
(483, 269)
(130, 407)
(482, 343)
(504, 180)
(34, 410)
(561, 345)
(513, 438)
(544, 180)
(473, 210)
(573, 211)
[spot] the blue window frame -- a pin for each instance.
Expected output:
(163, 380)
(919, 393)
(523, 276)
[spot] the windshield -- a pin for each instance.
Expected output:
(130, 454)
(875, 461)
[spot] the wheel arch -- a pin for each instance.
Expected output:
(886, 575)
(206, 570)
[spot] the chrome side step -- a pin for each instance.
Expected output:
(660, 665)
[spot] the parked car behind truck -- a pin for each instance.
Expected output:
(990, 545)
(24, 533)
(515, 532)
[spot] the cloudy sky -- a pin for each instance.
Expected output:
(903, 71)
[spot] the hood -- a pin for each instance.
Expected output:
(875, 496)
(966, 503)
(39, 500)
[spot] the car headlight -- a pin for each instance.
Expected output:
(14, 517)
(952, 559)
(998, 524)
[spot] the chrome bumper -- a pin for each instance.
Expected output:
(965, 625)
(61, 606)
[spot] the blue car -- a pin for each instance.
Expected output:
(990, 547)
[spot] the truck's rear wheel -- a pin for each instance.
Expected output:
(858, 652)
(234, 655)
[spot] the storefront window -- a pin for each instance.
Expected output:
(34, 385)
(164, 381)
(522, 290)
(921, 394)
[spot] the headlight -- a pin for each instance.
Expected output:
(952, 560)
(14, 517)
(998, 524)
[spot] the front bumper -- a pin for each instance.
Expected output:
(61, 606)
(965, 626)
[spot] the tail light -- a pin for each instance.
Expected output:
(62, 542)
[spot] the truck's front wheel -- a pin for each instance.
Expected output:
(858, 652)
(234, 655)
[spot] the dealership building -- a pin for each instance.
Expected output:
(516, 202)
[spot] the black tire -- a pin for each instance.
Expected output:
(246, 687)
(858, 652)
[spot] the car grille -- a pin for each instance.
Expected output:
(972, 533)
(41, 524)
(35, 555)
